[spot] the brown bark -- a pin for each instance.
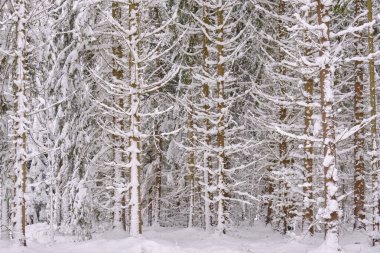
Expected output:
(157, 183)
(374, 150)
(135, 121)
(331, 206)
(191, 166)
(270, 190)
(150, 207)
(207, 156)
(308, 214)
(220, 137)
(118, 143)
(285, 162)
(359, 183)
(20, 131)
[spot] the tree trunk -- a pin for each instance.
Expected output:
(330, 214)
(375, 206)
(20, 127)
(118, 73)
(157, 183)
(150, 206)
(270, 190)
(134, 148)
(187, 80)
(308, 213)
(359, 184)
(288, 206)
(208, 204)
(191, 168)
(221, 186)
(5, 208)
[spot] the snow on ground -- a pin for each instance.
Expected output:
(258, 239)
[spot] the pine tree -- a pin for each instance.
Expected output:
(330, 211)
(20, 124)
(118, 151)
(359, 186)
(375, 206)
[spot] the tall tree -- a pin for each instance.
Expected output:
(331, 213)
(20, 126)
(118, 147)
(359, 184)
(308, 212)
(375, 206)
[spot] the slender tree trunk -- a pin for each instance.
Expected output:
(5, 208)
(157, 183)
(20, 127)
(375, 206)
(308, 213)
(191, 168)
(134, 148)
(118, 74)
(284, 162)
(330, 212)
(187, 80)
(288, 206)
(270, 190)
(208, 195)
(221, 186)
(5, 185)
(123, 176)
(150, 206)
(359, 183)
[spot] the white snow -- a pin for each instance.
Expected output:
(257, 239)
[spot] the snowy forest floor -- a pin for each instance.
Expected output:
(256, 239)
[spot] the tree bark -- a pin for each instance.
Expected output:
(359, 183)
(221, 186)
(157, 182)
(375, 206)
(20, 124)
(208, 195)
(330, 214)
(134, 148)
(308, 212)
(118, 146)
(285, 162)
